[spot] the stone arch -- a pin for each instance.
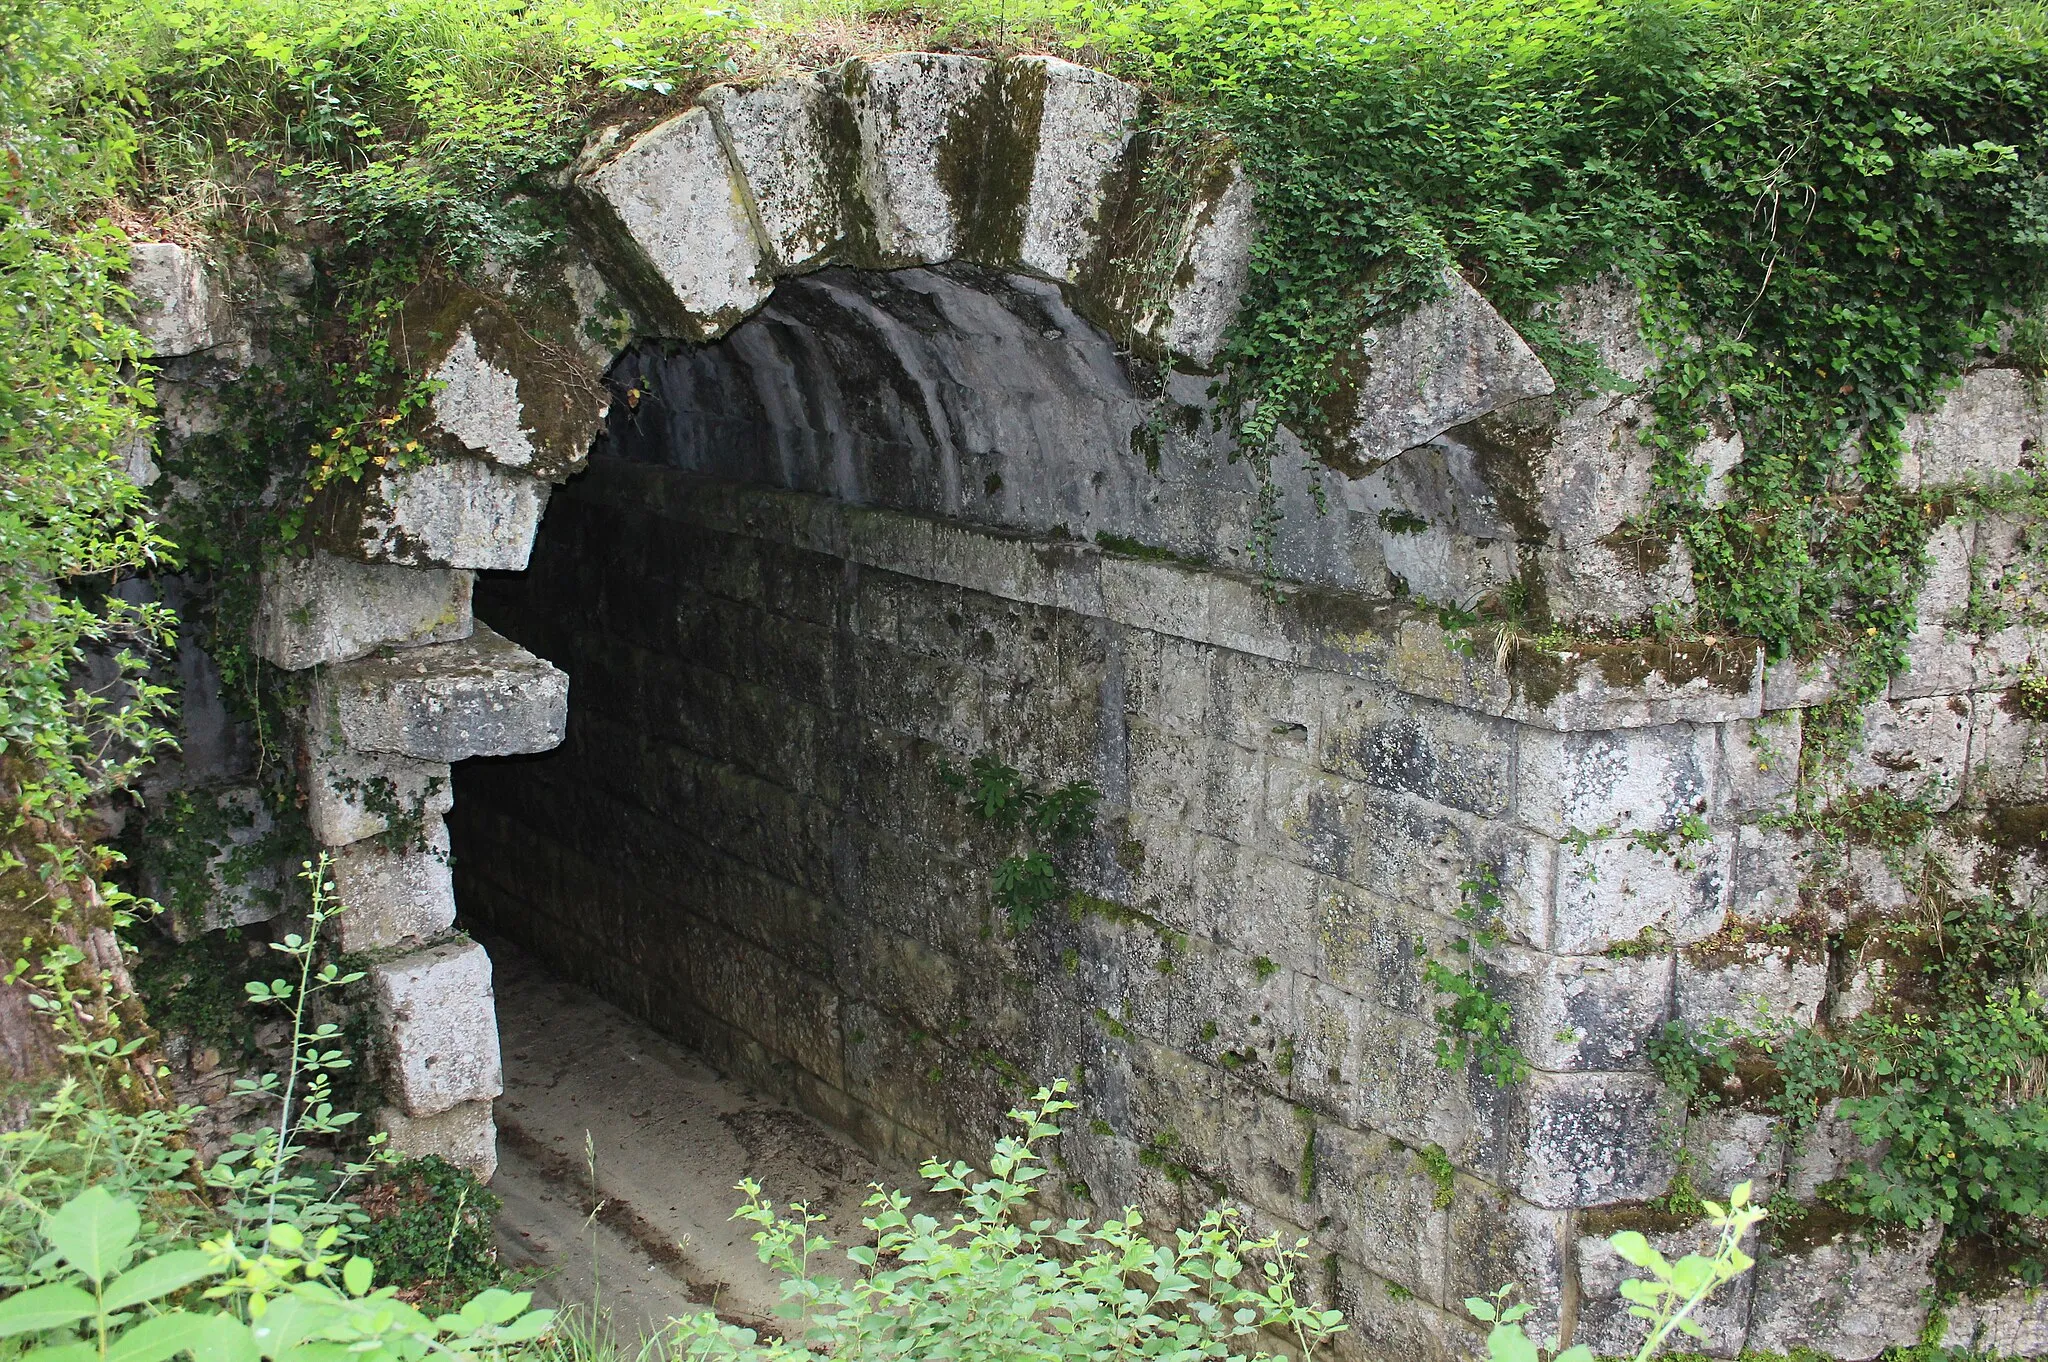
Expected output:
(1027, 167)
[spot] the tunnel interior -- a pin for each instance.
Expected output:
(747, 837)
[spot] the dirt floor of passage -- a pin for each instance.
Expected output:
(602, 1114)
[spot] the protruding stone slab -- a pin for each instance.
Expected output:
(911, 114)
(437, 1027)
(464, 1135)
(1083, 123)
(351, 795)
(177, 308)
(690, 250)
(455, 512)
(1450, 361)
(395, 895)
(795, 163)
(484, 696)
(320, 609)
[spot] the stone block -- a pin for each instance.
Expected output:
(1800, 683)
(1407, 849)
(1605, 1324)
(395, 896)
(1939, 661)
(1633, 684)
(1582, 1012)
(483, 696)
(508, 399)
(352, 795)
(1769, 868)
(178, 308)
(239, 881)
(320, 608)
(1375, 1203)
(1597, 581)
(2013, 1323)
(2008, 751)
(2006, 656)
(1760, 763)
(1451, 360)
(783, 140)
(1212, 262)
(1607, 313)
(1649, 778)
(1497, 1239)
(1914, 748)
(915, 115)
(695, 262)
(1399, 1088)
(1827, 1149)
(1447, 755)
(1586, 1139)
(1758, 988)
(1848, 1299)
(437, 1027)
(1083, 124)
(454, 512)
(1991, 422)
(1730, 1147)
(464, 1135)
(1615, 888)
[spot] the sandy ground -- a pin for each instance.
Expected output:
(601, 1114)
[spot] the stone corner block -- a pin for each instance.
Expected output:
(320, 608)
(351, 795)
(464, 1135)
(483, 696)
(176, 306)
(437, 1027)
(680, 235)
(453, 512)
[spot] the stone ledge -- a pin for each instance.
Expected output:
(1583, 687)
(484, 696)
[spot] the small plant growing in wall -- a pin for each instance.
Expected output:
(1046, 825)
(1472, 1022)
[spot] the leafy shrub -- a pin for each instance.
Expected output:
(430, 1228)
(996, 1284)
